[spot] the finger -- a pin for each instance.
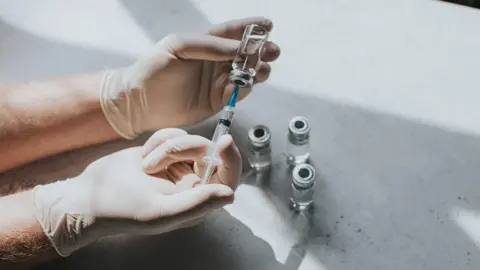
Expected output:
(182, 220)
(188, 181)
(270, 52)
(184, 148)
(234, 29)
(163, 186)
(159, 137)
(183, 201)
(178, 170)
(195, 214)
(199, 168)
(229, 172)
(263, 72)
(182, 175)
(200, 47)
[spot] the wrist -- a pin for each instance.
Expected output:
(123, 102)
(41, 119)
(64, 211)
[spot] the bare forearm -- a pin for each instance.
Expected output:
(44, 118)
(22, 241)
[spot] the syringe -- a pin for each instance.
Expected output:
(212, 159)
(242, 76)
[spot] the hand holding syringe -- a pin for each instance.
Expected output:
(212, 159)
(244, 70)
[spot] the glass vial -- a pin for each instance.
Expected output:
(298, 147)
(259, 152)
(248, 56)
(303, 186)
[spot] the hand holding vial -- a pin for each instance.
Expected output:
(248, 56)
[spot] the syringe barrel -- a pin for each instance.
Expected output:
(227, 113)
(220, 131)
(222, 128)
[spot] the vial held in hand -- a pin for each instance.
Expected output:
(248, 55)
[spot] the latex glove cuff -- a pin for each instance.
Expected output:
(65, 215)
(123, 102)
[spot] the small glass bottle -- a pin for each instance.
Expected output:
(303, 186)
(245, 63)
(259, 151)
(298, 147)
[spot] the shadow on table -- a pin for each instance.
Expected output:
(387, 185)
(386, 190)
(385, 195)
(220, 242)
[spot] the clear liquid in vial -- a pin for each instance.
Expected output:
(298, 146)
(248, 55)
(259, 158)
(303, 185)
(297, 153)
(301, 198)
(259, 150)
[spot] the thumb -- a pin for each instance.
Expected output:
(177, 203)
(229, 172)
(200, 47)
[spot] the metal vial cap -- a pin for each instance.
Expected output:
(303, 175)
(259, 136)
(241, 78)
(299, 128)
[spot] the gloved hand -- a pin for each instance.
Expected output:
(182, 81)
(115, 196)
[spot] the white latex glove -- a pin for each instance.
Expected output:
(182, 81)
(115, 196)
